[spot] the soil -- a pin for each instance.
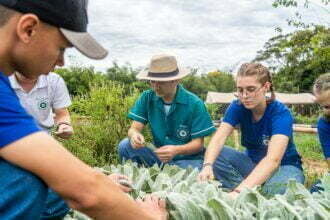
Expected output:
(316, 167)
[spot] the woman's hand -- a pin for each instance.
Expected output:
(206, 174)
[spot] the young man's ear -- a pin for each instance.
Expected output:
(27, 27)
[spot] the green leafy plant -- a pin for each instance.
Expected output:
(188, 199)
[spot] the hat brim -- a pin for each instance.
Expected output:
(85, 43)
(143, 75)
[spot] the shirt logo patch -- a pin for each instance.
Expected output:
(265, 140)
(183, 132)
(43, 104)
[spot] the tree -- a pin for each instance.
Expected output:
(297, 20)
(126, 76)
(220, 81)
(213, 81)
(78, 79)
(297, 58)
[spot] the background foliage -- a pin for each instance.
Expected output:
(297, 58)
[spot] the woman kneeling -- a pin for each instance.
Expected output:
(271, 158)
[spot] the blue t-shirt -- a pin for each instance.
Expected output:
(323, 128)
(277, 119)
(15, 123)
(23, 195)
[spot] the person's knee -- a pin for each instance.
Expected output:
(222, 162)
(231, 154)
(278, 183)
(271, 189)
(225, 156)
(185, 164)
(123, 146)
(223, 169)
(226, 151)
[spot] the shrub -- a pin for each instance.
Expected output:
(103, 124)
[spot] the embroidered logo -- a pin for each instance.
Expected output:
(183, 132)
(43, 104)
(265, 140)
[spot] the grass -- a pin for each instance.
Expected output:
(308, 146)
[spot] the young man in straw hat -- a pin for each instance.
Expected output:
(178, 119)
(34, 35)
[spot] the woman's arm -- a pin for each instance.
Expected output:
(217, 142)
(213, 150)
(265, 168)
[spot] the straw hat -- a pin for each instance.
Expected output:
(163, 67)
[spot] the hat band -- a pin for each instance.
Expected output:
(163, 74)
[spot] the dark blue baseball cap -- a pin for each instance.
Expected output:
(70, 16)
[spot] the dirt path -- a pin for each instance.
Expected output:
(317, 167)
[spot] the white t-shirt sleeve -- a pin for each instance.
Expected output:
(60, 96)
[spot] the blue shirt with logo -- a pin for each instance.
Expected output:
(323, 129)
(23, 194)
(187, 119)
(277, 119)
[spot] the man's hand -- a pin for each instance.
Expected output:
(116, 178)
(64, 131)
(166, 153)
(155, 206)
(137, 140)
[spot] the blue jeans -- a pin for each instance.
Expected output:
(232, 167)
(145, 156)
(56, 207)
(24, 196)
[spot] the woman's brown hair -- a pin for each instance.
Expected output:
(322, 84)
(261, 72)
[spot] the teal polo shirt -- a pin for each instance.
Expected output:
(187, 119)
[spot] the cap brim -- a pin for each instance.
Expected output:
(85, 43)
(143, 75)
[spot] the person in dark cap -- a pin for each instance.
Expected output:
(33, 37)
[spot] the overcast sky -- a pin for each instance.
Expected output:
(204, 34)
